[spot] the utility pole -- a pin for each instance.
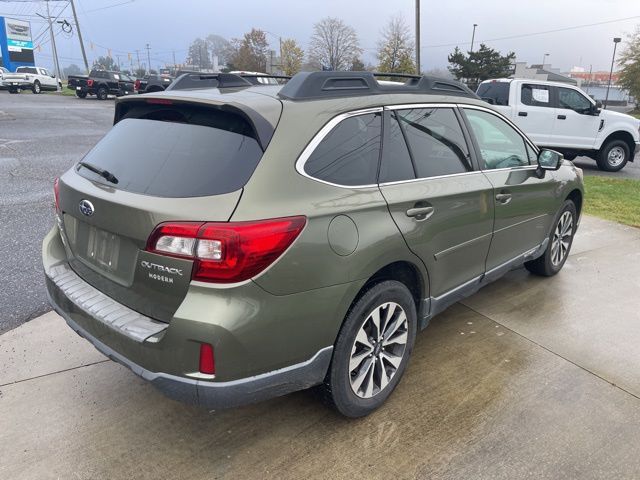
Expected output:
(56, 64)
(418, 70)
(84, 54)
(138, 57)
(148, 59)
(118, 59)
(174, 61)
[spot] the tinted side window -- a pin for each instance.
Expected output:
(500, 145)
(349, 154)
(496, 93)
(536, 95)
(573, 100)
(396, 161)
(436, 141)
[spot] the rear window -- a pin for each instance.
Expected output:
(169, 152)
(496, 93)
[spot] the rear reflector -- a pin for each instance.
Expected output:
(90, 83)
(226, 252)
(207, 362)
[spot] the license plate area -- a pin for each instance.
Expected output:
(103, 248)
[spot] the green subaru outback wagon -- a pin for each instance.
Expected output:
(231, 242)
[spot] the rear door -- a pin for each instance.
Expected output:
(535, 112)
(522, 200)
(171, 163)
(442, 206)
(576, 126)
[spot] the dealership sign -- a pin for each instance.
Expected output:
(16, 44)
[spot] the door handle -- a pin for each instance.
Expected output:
(562, 117)
(503, 198)
(522, 114)
(420, 213)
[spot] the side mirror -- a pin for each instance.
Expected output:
(548, 160)
(598, 104)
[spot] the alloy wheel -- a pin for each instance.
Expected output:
(378, 350)
(561, 238)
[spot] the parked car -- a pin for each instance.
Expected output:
(233, 244)
(563, 117)
(36, 79)
(2, 72)
(101, 83)
(153, 83)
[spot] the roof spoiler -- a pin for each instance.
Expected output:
(317, 85)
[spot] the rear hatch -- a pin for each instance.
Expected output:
(172, 161)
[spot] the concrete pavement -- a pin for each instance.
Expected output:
(529, 378)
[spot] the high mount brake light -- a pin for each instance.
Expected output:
(226, 252)
(159, 101)
(56, 192)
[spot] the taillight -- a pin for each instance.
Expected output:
(90, 83)
(207, 361)
(56, 193)
(226, 252)
(136, 85)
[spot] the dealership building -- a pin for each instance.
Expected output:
(16, 44)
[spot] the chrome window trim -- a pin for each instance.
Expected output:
(426, 179)
(410, 106)
(319, 137)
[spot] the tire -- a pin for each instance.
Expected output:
(560, 239)
(354, 346)
(81, 94)
(36, 89)
(14, 90)
(102, 93)
(613, 156)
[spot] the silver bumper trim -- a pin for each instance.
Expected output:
(104, 309)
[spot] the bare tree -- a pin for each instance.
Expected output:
(292, 56)
(395, 50)
(334, 45)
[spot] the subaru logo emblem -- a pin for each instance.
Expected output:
(86, 208)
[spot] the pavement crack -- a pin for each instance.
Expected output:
(552, 352)
(53, 373)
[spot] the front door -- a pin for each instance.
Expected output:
(576, 126)
(442, 206)
(522, 200)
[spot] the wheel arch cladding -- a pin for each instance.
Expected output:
(401, 271)
(576, 197)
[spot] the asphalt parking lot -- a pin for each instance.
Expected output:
(529, 378)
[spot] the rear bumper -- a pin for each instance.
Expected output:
(218, 395)
(264, 345)
(17, 84)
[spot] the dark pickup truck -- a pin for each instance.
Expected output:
(101, 83)
(153, 83)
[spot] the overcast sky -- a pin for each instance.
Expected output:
(170, 25)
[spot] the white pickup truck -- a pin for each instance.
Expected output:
(564, 118)
(36, 79)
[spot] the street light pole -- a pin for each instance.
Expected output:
(473, 36)
(543, 58)
(418, 70)
(148, 59)
(616, 41)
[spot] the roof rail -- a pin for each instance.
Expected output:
(208, 80)
(317, 85)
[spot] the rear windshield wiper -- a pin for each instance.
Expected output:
(108, 176)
